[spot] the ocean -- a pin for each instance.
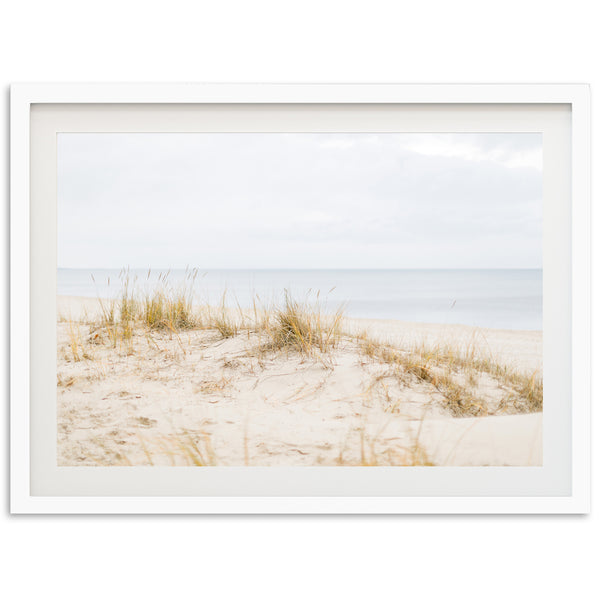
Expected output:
(496, 298)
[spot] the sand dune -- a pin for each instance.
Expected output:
(192, 397)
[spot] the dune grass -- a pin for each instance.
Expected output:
(412, 454)
(181, 448)
(170, 308)
(456, 377)
(78, 349)
(306, 327)
(223, 320)
(302, 327)
(196, 450)
(164, 308)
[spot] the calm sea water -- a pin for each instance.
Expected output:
(498, 298)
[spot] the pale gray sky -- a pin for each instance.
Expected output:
(300, 200)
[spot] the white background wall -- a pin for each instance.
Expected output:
(310, 41)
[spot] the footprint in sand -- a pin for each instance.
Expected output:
(146, 422)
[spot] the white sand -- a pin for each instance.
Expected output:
(196, 390)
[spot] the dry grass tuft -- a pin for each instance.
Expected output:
(64, 382)
(162, 310)
(223, 321)
(184, 448)
(78, 350)
(302, 326)
(196, 449)
(166, 308)
(374, 453)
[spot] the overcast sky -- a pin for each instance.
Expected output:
(300, 200)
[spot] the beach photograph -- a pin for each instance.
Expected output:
(299, 299)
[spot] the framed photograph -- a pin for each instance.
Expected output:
(300, 298)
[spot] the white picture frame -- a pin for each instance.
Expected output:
(25, 418)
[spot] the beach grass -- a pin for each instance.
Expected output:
(456, 375)
(307, 328)
(302, 326)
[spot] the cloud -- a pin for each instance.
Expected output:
(300, 200)
(467, 148)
